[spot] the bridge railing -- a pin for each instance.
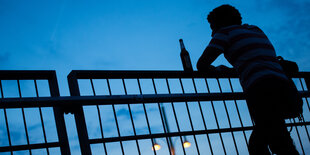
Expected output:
(170, 108)
(35, 130)
(135, 112)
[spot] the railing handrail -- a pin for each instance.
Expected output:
(72, 101)
(27, 74)
(128, 74)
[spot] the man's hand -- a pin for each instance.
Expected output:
(222, 68)
(209, 68)
(219, 69)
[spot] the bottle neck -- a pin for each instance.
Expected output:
(182, 45)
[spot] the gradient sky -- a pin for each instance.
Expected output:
(65, 35)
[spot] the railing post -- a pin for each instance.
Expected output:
(307, 81)
(79, 116)
(59, 117)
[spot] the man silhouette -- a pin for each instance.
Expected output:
(263, 80)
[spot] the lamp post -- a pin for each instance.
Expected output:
(168, 130)
(187, 66)
(156, 146)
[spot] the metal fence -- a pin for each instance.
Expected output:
(169, 108)
(34, 130)
(144, 112)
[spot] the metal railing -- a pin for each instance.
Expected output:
(42, 140)
(174, 97)
(131, 112)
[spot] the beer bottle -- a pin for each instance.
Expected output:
(186, 61)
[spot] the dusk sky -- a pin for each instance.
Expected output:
(65, 35)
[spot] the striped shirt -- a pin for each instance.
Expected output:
(248, 50)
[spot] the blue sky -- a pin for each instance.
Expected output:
(65, 35)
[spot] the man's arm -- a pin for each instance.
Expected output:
(216, 47)
(207, 58)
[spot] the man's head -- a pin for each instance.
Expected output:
(222, 16)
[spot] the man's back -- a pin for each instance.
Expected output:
(249, 50)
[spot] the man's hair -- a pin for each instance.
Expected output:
(224, 15)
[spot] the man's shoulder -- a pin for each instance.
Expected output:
(230, 28)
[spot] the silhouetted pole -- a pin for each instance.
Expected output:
(186, 61)
(168, 130)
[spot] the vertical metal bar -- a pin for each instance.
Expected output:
(203, 118)
(227, 114)
(239, 116)
(303, 89)
(217, 123)
(115, 116)
(190, 118)
(175, 116)
(146, 116)
(166, 128)
(59, 117)
(303, 120)
(161, 111)
(41, 116)
(307, 81)
(252, 121)
(299, 139)
(6, 119)
(24, 118)
(131, 118)
(99, 115)
(79, 117)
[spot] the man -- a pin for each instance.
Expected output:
(262, 78)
